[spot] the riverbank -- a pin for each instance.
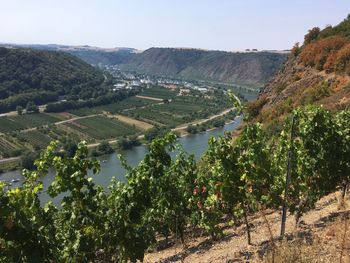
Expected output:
(195, 144)
(13, 163)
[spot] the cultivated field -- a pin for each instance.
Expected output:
(101, 128)
(138, 124)
(158, 92)
(129, 103)
(21, 122)
(131, 116)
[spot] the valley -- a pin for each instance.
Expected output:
(154, 108)
(177, 154)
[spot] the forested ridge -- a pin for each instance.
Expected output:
(44, 76)
(241, 68)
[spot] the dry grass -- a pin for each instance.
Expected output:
(138, 124)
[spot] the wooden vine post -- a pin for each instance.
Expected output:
(288, 179)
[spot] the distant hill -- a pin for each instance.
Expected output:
(316, 73)
(91, 55)
(244, 68)
(42, 76)
(250, 68)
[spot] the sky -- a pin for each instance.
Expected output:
(208, 24)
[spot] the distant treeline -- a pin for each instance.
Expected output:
(102, 100)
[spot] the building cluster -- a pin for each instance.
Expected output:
(137, 81)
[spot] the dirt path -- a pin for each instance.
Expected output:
(77, 118)
(148, 98)
(14, 113)
(184, 126)
(7, 160)
(62, 122)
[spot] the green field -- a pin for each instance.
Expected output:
(37, 139)
(102, 128)
(178, 111)
(156, 117)
(21, 122)
(5, 145)
(182, 109)
(158, 92)
(129, 103)
(179, 107)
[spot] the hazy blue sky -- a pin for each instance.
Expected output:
(209, 24)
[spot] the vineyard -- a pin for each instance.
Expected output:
(171, 195)
(159, 92)
(128, 103)
(156, 117)
(37, 139)
(101, 127)
(24, 131)
(21, 122)
(182, 109)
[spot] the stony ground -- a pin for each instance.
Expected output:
(323, 235)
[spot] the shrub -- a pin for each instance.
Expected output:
(317, 53)
(342, 61)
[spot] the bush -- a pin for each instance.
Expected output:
(342, 63)
(128, 143)
(317, 53)
(105, 148)
(192, 129)
(27, 160)
(311, 35)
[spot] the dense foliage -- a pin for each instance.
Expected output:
(168, 192)
(91, 102)
(44, 76)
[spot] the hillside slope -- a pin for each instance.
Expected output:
(248, 68)
(42, 76)
(316, 73)
(89, 54)
(252, 68)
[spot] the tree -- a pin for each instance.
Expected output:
(27, 160)
(19, 110)
(192, 129)
(32, 107)
(311, 35)
(70, 147)
(105, 148)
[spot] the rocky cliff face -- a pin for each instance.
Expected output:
(317, 73)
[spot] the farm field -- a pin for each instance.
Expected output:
(6, 146)
(35, 138)
(155, 117)
(129, 103)
(101, 127)
(21, 122)
(158, 92)
(139, 124)
(131, 116)
(181, 109)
